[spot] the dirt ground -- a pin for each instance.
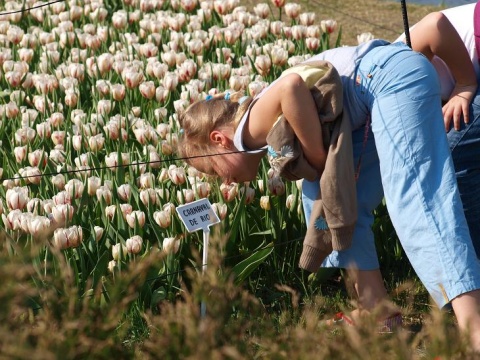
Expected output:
(384, 19)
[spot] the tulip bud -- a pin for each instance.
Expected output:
(229, 191)
(110, 211)
(278, 3)
(163, 218)
(134, 217)
(171, 245)
(134, 244)
(328, 26)
(98, 232)
(118, 252)
(221, 210)
(276, 186)
(148, 196)
(112, 265)
(265, 202)
(93, 183)
(124, 192)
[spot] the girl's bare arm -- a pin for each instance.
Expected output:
(435, 35)
(290, 96)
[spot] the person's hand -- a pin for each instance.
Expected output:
(458, 105)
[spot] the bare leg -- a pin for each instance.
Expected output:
(467, 311)
(371, 292)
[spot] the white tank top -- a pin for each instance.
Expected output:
(238, 136)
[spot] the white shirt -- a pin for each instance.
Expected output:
(461, 18)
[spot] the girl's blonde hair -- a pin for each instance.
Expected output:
(200, 119)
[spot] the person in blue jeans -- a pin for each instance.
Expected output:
(395, 91)
(447, 39)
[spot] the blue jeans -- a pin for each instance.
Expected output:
(416, 171)
(362, 254)
(465, 147)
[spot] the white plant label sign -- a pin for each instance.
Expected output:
(197, 215)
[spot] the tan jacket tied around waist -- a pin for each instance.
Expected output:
(334, 212)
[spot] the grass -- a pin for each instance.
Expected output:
(236, 326)
(381, 18)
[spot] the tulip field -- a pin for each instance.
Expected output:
(90, 92)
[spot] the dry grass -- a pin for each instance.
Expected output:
(382, 18)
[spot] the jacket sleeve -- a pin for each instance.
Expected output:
(334, 212)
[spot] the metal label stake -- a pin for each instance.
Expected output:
(195, 216)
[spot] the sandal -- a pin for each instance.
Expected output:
(389, 325)
(339, 319)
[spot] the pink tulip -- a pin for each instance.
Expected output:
(132, 78)
(185, 196)
(104, 193)
(279, 56)
(20, 153)
(176, 174)
(31, 175)
(98, 232)
(171, 245)
(62, 213)
(328, 26)
(96, 142)
(229, 191)
(12, 219)
(71, 98)
(163, 218)
(276, 186)
(62, 197)
(74, 188)
(147, 89)
(307, 18)
(24, 135)
(11, 110)
(110, 211)
(299, 32)
(262, 10)
(202, 189)
(221, 6)
(134, 217)
(14, 34)
(37, 157)
(93, 184)
(104, 107)
(313, 31)
(39, 226)
(124, 192)
(119, 251)
(312, 43)
(134, 244)
(265, 202)
(59, 181)
(104, 63)
(118, 92)
(148, 196)
(119, 19)
(220, 209)
(148, 50)
(163, 194)
(44, 130)
(14, 78)
(17, 198)
(292, 10)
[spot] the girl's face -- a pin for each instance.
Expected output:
(236, 167)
